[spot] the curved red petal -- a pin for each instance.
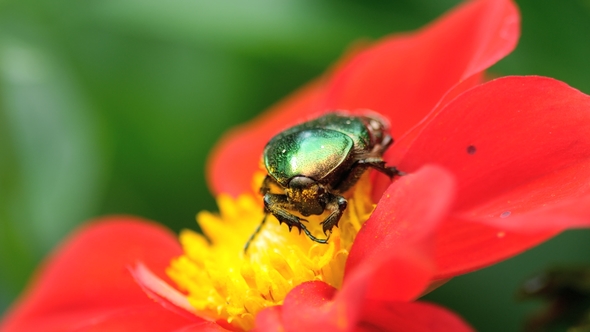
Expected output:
(513, 144)
(409, 316)
(465, 246)
(269, 320)
(310, 306)
(86, 282)
(403, 277)
(403, 77)
(520, 150)
(394, 155)
(408, 212)
(570, 213)
(316, 306)
(404, 221)
(131, 318)
(161, 291)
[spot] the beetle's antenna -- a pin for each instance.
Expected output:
(255, 233)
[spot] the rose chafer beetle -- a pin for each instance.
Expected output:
(312, 164)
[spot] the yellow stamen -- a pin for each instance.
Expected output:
(224, 283)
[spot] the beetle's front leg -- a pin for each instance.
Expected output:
(278, 205)
(336, 204)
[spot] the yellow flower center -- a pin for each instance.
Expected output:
(225, 283)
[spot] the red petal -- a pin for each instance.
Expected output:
(571, 213)
(315, 306)
(86, 283)
(312, 306)
(159, 290)
(520, 149)
(406, 76)
(269, 320)
(401, 76)
(403, 223)
(409, 316)
(465, 246)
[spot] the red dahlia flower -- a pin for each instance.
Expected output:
(493, 169)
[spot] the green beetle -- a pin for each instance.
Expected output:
(315, 162)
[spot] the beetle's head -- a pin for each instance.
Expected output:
(306, 195)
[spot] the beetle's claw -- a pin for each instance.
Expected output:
(397, 172)
(315, 239)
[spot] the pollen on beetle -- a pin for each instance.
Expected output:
(223, 283)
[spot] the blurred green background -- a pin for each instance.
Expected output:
(111, 107)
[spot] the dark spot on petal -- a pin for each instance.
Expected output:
(471, 149)
(505, 214)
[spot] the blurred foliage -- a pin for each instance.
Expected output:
(111, 107)
(565, 291)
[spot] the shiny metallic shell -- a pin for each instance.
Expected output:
(306, 151)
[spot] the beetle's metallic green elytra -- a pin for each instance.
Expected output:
(315, 162)
(313, 153)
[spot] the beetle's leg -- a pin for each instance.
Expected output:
(379, 165)
(264, 188)
(336, 204)
(278, 205)
(375, 160)
(352, 177)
